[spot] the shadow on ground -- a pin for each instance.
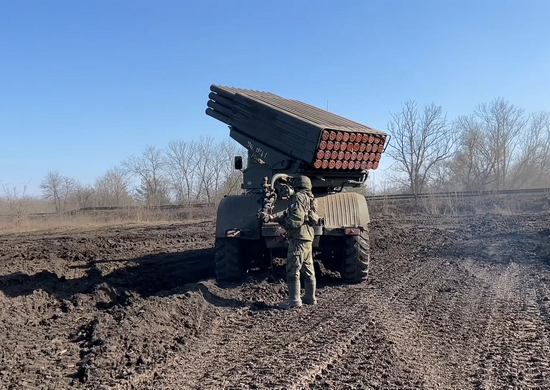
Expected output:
(148, 275)
(152, 275)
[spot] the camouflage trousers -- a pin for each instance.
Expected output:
(299, 259)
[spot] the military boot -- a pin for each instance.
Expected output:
(310, 284)
(294, 299)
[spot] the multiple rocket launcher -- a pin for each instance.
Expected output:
(347, 150)
(324, 140)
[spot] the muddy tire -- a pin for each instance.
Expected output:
(229, 262)
(354, 266)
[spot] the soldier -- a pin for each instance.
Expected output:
(296, 225)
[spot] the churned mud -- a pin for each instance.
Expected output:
(451, 303)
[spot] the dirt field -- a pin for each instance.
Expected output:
(452, 302)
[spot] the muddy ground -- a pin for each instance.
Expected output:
(451, 303)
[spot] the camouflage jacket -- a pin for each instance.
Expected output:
(294, 218)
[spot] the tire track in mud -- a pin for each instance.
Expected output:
(530, 333)
(394, 279)
(428, 323)
(513, 347)
(542, 300)
(268, 351)
(531, 352)
(395, 325)
(339, 329)
(492, 352)
(510, 339)
(448, 333)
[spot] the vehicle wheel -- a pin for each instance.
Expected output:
(229, 262)
(354, 266)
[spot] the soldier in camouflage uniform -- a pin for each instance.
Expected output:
(294, 224)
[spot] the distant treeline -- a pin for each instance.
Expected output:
(498, 146)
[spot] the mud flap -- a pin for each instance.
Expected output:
(236, 217)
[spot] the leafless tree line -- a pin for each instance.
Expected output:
(498, 146)
(17, 202)
(184, 172)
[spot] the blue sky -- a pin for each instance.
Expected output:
(86, 84)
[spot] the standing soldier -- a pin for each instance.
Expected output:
(296, 223)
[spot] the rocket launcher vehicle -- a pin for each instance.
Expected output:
(270, 126)
(284, 139)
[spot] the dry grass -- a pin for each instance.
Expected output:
(459, 205)
(450, 205)
(96, 219)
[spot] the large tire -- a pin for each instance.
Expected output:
(354, 266)
(230, 265)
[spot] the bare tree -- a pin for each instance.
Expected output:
(82, 195)
(533, 160)
(202, 169)
(499, 147)
(181, 168)
(51, 189)
(18, 203)
(502, 125)
(57, 188)
(215, 171)
(206, 161)
(112, 188)
(149, 167)
(473, 166)
(419, 142)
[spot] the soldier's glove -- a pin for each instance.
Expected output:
(281, 232)
(265, 217)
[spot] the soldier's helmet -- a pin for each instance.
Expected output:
(302, 182)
